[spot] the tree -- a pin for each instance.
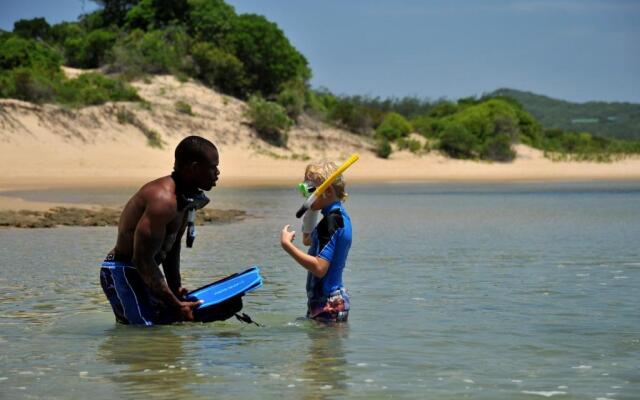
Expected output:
(269, 58)
(115, 11)
(220, 69)
(36, 28)
(210, 20)
(89, 51)
(154, 14)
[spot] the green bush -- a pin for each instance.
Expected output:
(94, 89)
(292, 98)
(17, 52)
(219, 69)
(393, 127)
(28, 84)
(183, 108)
(443, 109)
(349, 115)
(488, 118)
(39, 87)
(427, 126)
(498, 148)
(457, 142)
(414, 146)
(530, 129)
(383, 148)
(314, 105)
(270, 120)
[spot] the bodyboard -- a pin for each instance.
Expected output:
(223, 299)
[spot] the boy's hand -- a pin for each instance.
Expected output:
(286, 237)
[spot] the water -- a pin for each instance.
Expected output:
(517, 291)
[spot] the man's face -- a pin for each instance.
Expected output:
(207, 171)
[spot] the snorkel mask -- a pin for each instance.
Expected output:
(306, 188)
(313, 195)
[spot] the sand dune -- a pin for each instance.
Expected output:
(44, 146)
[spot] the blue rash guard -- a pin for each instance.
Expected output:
(331, 241)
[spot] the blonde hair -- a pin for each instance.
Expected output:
(318, 172)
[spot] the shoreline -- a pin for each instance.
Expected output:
(45, 147)
(11, 202)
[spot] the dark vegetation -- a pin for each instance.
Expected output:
(614, 120)
(472, 128)
(30, 71)
(249, 57)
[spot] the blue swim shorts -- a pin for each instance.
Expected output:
(131, 300)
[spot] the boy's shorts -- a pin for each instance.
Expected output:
(334, 308)
(130, 298)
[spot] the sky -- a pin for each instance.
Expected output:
(577, 50)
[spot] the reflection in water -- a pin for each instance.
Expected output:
(152, 363)
(325, 367)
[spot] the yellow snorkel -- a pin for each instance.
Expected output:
(320, 189)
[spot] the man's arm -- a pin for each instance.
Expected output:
(171, 265)
(148, 239)
(316, 265)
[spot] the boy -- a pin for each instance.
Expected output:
(330, 241)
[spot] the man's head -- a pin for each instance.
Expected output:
(317, 173)
(196, 162)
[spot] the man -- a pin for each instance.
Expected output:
(149, 234)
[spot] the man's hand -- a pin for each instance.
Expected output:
(286, 237)
(182, 293)
(185, 310)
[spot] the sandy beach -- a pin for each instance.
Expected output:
(45, 146)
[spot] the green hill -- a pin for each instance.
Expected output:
(615, 120)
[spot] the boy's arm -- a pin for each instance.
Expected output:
(317, 266)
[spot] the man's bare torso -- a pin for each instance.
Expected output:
(159, 190)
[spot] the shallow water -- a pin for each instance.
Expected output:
(516, 291)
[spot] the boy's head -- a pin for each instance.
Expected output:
(319, 171)
(196, 161)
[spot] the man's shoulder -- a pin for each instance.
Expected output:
(159, 194)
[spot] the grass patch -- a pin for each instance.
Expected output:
(183, 108)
